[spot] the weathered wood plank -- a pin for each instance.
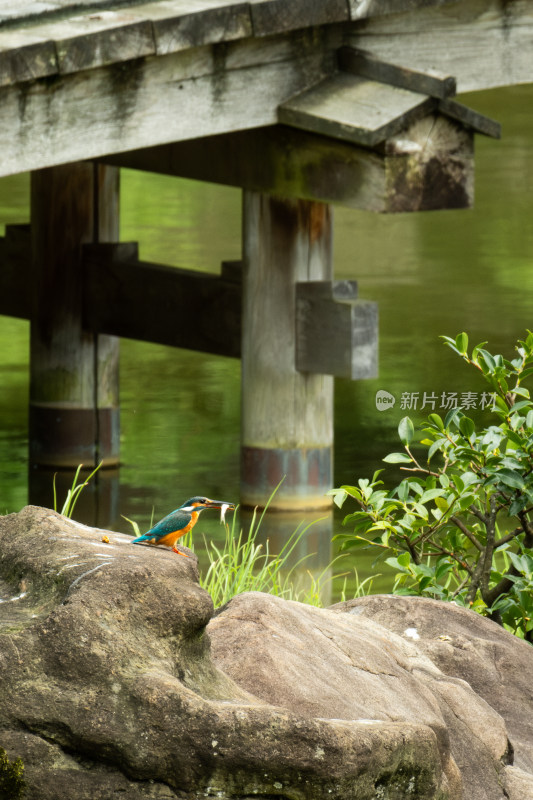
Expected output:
(86, 41)
(484, 43)
(164, 305)
(111, 46)
(487, 42)
(89, 40)
(275, 16)
(336, 334)
(25, 60)
(153, 101)
(368, 66)
(470, 118)
(83, 42)
(193, 23)
(34, 11)
(360, 9)
(355, 109)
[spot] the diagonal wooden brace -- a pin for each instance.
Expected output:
(336, 334)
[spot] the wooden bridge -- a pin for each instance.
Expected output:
(302, 104)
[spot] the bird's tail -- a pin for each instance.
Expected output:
(139, 539)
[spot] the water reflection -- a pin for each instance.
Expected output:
(97, 504)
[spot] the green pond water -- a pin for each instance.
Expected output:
(431, 273)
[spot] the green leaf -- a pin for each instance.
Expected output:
(394, 563)
(521, 404)
(461, 342)
(450, 416)
(518, 504)
(501, 404)
(339, 496)
(436, 447)
(465, 501)
(510, 478)
(443, 568)
(398, 458)
(425, 582)
(488, 359)
(442, 504)
(404, 559)
(437, 421)
(431, 494)
(469, 478)
(467, 427)
(521, 563)
(421, 510)
(403, 491)
(406, 431)
(416, 487)
(476, 350)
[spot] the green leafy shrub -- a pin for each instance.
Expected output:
(458, 526)
(12, 784)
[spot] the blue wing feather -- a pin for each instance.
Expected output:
(174, 521)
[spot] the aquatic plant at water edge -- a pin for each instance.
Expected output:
(243, 564)
(459, 525)
(67, 509)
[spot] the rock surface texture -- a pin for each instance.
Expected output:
(116, 680)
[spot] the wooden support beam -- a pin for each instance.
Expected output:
(428, 166)
(124, 297)
(359, 62)
(73, 374)
(165, 305)
(275, 160)
(15, 269)
(286, 416)
(336, 334)
(470, 119)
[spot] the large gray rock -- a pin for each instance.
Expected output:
(110, 687)
(497, 666)
(107, 688)
(321, 663)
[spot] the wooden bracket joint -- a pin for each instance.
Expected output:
(336, 334)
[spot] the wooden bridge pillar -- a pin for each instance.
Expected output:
(74, 414)
(287, 416)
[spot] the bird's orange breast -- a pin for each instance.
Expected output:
(170, 539)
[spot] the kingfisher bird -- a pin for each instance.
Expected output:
(179, 522)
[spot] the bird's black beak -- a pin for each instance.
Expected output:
(220, 504)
